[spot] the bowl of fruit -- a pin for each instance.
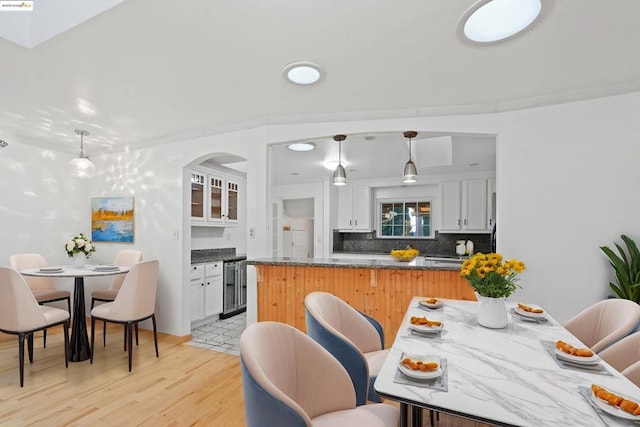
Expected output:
(405, 255)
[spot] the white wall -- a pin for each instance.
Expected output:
(567, 177)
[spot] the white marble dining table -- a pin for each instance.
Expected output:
(502, 377)
(79, 348)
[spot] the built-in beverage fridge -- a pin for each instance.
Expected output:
(235, 288)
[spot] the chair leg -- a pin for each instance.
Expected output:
(104, 333)
(155, 334)
(65, 330)
(136, 333)
(44, 338)
(21, 357)
(125, 337)
(93, 334)
(30, 346)
(130, 342)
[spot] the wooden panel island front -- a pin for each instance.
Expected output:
(381, 289)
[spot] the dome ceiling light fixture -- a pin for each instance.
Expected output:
(301, 146)
(81, 166)
(490, 21)
(410, 174)
(339, 175)
(302, 73)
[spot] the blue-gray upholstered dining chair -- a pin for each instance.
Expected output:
(355, 339)
(290, 380)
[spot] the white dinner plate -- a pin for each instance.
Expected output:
(426, 329)
(420, 375)
(50, 269)
(424, 303)
(593, 360)
(614, 410)
(524, 313)
(105, 267)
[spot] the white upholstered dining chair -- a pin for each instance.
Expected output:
(41, 287)
(290, 380)
(124, 258)
(135, 302)
(21, 315)
(355, 339)
(605, 322)
(624, 356)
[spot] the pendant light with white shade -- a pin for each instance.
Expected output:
(81, 166)
(339, 175)
(410, 174)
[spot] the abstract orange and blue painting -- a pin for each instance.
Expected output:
(112, 219)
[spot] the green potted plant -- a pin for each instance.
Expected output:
(627, 269)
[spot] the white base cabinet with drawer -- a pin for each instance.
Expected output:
(205, 291)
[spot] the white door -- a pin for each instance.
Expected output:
(299, 244)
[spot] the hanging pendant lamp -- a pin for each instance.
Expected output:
(410, 172)
(339, 175)
(81, 166)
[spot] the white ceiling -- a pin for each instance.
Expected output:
(147, 72)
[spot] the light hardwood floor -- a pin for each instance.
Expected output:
(186, 386)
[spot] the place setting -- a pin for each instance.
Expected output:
(427, 371)
(430, 304)
(529, 313)
(50, 270)
(105, 267)
(424, 327)
(568, 356)
(617, 408)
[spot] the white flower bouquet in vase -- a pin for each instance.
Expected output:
(80, 249)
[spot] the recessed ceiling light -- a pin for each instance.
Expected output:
(302, 73)
(302, 146)
(489, 21)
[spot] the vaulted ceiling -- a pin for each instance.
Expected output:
(147, 71)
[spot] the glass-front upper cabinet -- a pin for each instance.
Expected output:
(232, 201)
(197, 196)
(405, 219)
(216, 198)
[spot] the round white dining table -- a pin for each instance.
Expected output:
(79, 348)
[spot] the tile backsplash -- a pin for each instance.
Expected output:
(441, 244)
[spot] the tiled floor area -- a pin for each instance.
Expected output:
(221, 335)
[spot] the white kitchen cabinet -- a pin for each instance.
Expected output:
(464, 206)
(354, 208)
(214, 200)
(205, 290)
(198, 183)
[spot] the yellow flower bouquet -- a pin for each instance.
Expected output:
(490, 276)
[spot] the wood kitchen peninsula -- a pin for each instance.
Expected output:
(380, 288)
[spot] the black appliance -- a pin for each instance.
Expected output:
(235, 288)
(493, 237)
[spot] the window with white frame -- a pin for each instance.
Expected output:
(405, 218)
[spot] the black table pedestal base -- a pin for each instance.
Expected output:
(79, 348)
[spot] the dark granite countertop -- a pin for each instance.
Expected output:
(201, 256)
(417, 264)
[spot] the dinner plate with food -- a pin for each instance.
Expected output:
(420, 367)
(432, 303)
(573, 354)
(615, 404)
(529, 310)
(424, 325)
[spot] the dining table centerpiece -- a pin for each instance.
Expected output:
(493, 280)
(80, 248)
